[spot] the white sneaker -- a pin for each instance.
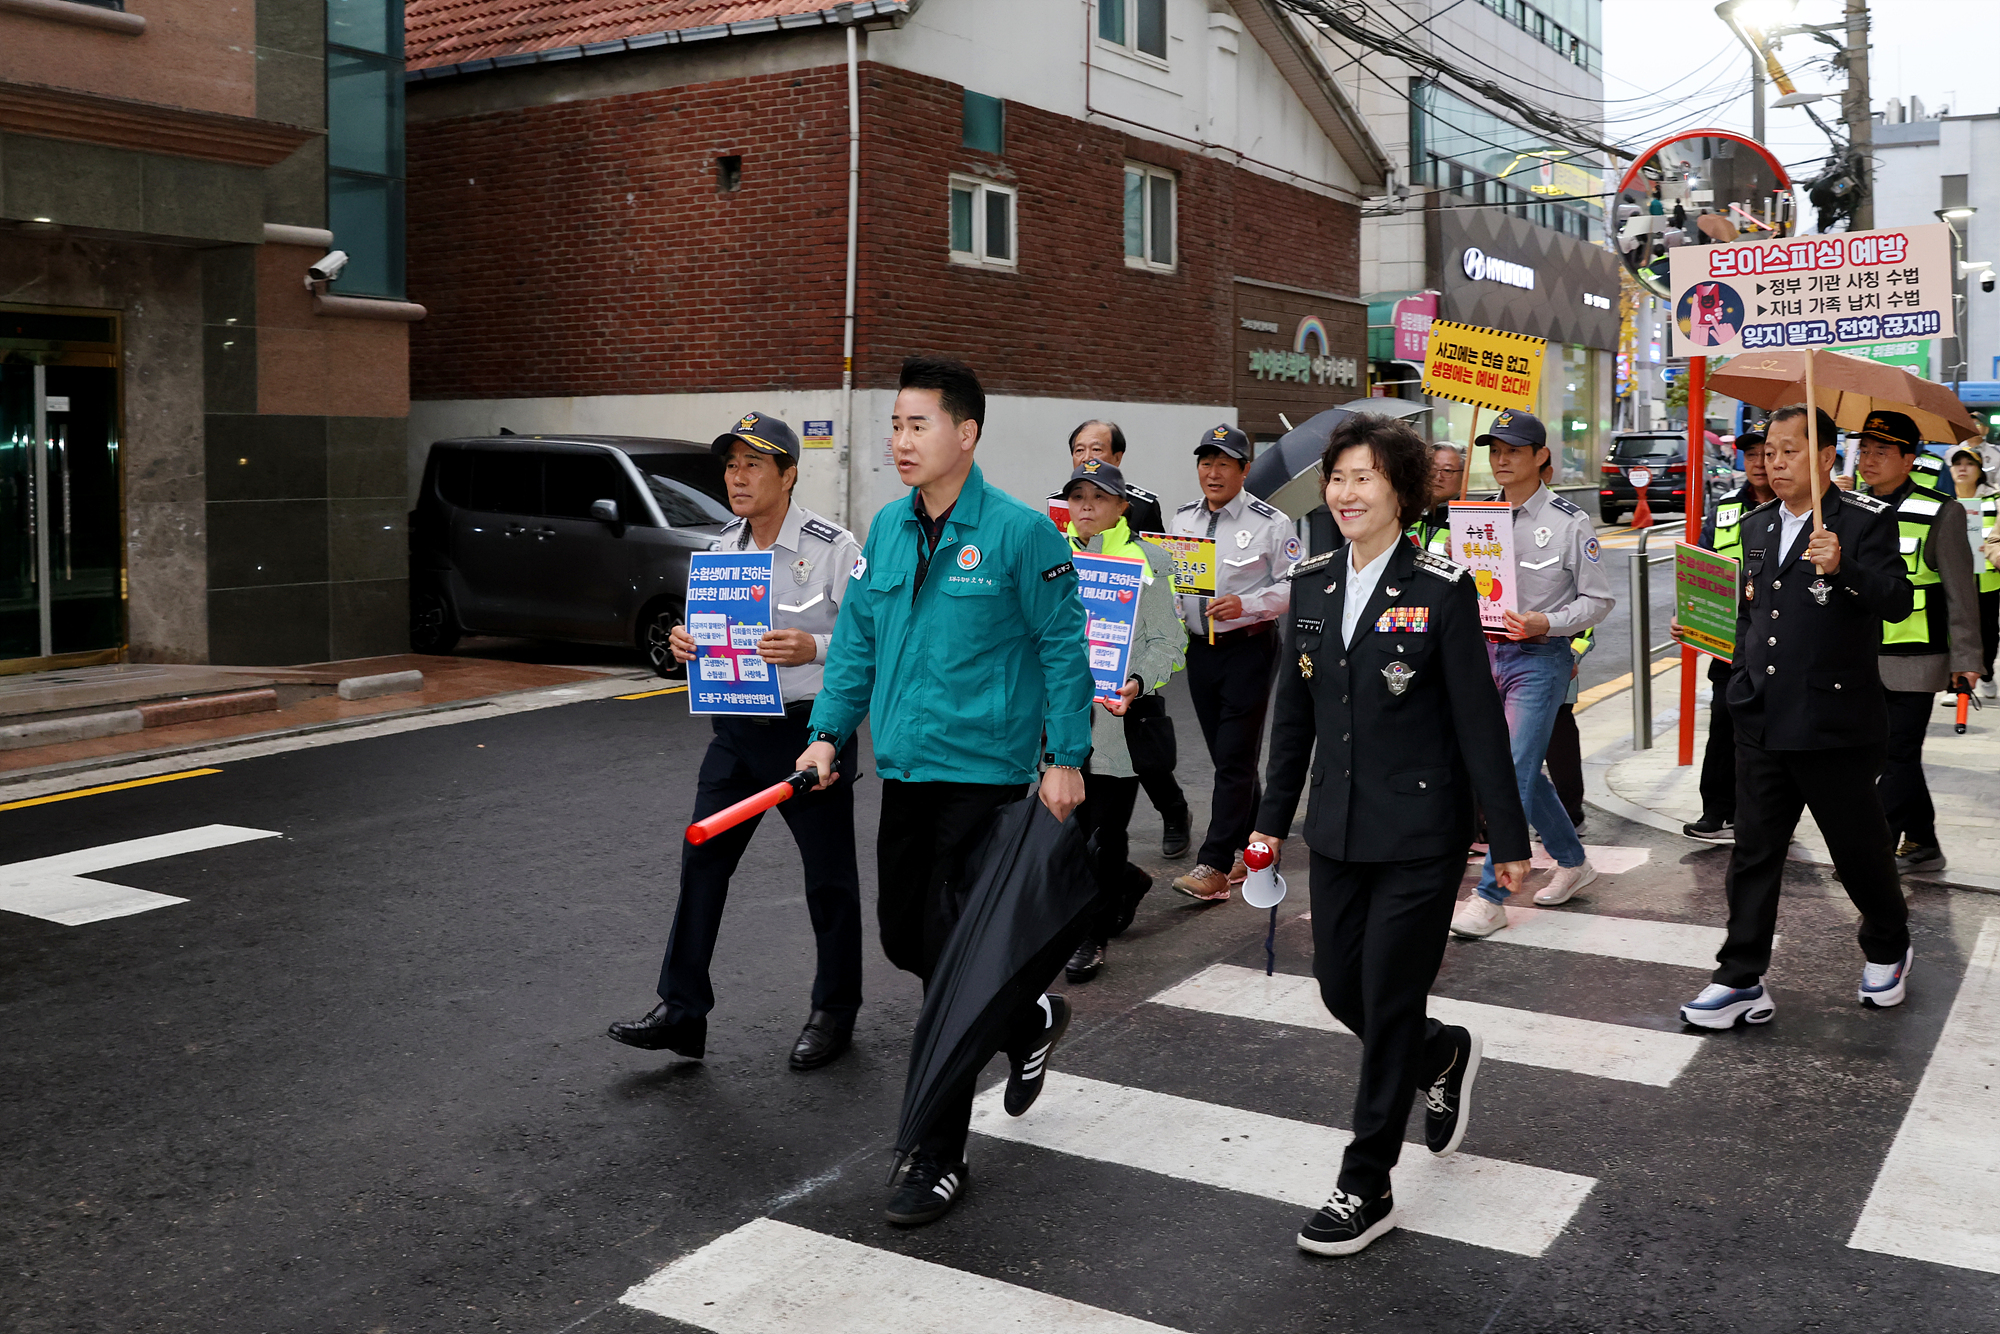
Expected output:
(1882, 984)
(1987, 689)
(1566, 881)
(1719, 1006)
(1478, 918)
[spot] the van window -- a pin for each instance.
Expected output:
(571, 482)
(688, 487)
(506, 482)
(454, 476)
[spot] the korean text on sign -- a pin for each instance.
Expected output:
(1705, 590)
(1109, 587)
(728, 611)
(1194, 562)
(1814, 291)
(1489, 368)
(1482, 540)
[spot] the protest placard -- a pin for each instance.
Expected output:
(728, 611)
(1482, 540)
(1488, 368)
(1705, 593)
(1109, 586)
(1194, 562)
(1844, 290)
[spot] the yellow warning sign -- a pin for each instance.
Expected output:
(1485, 367)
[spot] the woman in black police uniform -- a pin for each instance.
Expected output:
(1385, 668)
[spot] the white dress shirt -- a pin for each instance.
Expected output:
(1360, 587)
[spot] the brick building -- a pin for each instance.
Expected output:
(200, 455)
(1145, 209)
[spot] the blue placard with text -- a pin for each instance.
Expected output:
(1109, 586)
(728, 611)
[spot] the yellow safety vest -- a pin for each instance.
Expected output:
(1989, 519)
(1916, 513)
(1729, 528)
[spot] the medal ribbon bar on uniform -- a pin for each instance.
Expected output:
(1415, 620)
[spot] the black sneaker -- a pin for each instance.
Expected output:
(1913, 857)
(1711, 829)
(1347, 1223)
(1174, 833)
(926, 1192)
(1084, 964)
(1137, 885)
(1024, 1074)
(1448, 1099)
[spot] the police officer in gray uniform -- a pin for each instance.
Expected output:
(1562, 589)
(812, 559)
(1230, 680)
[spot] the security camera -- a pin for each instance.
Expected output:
(1986, 281)
(327, 267)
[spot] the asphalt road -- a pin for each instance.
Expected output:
(358, 1082)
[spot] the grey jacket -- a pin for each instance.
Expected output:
(1159, 648)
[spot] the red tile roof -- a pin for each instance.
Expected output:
(454, 32)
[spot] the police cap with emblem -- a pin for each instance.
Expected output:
(1516, 427)
(1104, 476)
(1225, 439)
(1893, 428)
(765, 434)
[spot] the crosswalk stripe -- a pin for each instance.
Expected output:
(1524, 1037)
(1937, 1197)
(1675, 943)
(55, 888)
(1483, 1201)
(768, 1277)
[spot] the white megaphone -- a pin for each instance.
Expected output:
(1264, 888)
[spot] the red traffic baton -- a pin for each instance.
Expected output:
(1964, 701)
(730, 816)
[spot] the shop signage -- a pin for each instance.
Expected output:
(1482, 267)
(1294, 353)
(1813, 291)
(1488, 368)
(1412, 325)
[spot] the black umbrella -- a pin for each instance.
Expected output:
(1286, 473)
(1029, 891)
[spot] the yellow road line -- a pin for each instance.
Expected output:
(108, 787)
(1618, 683)
(649, 694)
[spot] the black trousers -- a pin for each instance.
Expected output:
(927, 831)
(1564, 761)
(1989, 630)
(1906, 797)
(1718, 761)
(1379, 931)
(1164, 791)
(1106, 818)
(1231, 685)
(746, 756)
(1772, 788)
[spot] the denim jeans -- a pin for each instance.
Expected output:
(1533, 681)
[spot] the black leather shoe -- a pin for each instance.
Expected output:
(1137, 885)
(821, 1041)
(1174, 836)
(1084, 964)
(657, 1033)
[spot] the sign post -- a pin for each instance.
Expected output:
(728, 611)
(1109, 587)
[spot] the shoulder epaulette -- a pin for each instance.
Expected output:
(1769, 504)
(1565, 504)
(1185, 508)
(821, 529)
(1311, 563)
(1140, 493)
(1448, 570)
(733, 524)
(1496, 496)
(1259, 507)
(1869, 503)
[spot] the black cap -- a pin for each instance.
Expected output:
(1100, 474)
(1893, 428)
(763, 433)
(1515, 426)
(1966, 450)
(1225, 439)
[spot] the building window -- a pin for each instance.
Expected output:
(985, 123)
(1136, 25)
(1149, 217)
(364, 143)
(982, 223)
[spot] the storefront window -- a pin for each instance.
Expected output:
(1572, 400)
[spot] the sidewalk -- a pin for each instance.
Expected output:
(1649, 787)
(306, 702)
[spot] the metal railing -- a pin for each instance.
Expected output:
(1643, 650)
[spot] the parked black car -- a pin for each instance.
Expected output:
(1664, 454)
(575, 537)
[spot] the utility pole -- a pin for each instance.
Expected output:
(1757, 96)
(1855, 111)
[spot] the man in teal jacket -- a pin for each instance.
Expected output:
(962, 636)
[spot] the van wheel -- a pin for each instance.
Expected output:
(433, 628)
(654, 628)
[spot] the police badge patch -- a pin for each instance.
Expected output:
(1399, 675)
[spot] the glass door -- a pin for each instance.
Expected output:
(20, 581)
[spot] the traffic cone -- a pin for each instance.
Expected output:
(1643, 516)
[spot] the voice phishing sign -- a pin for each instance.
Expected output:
(1488, 368)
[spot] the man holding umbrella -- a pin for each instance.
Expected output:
(963, 639)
